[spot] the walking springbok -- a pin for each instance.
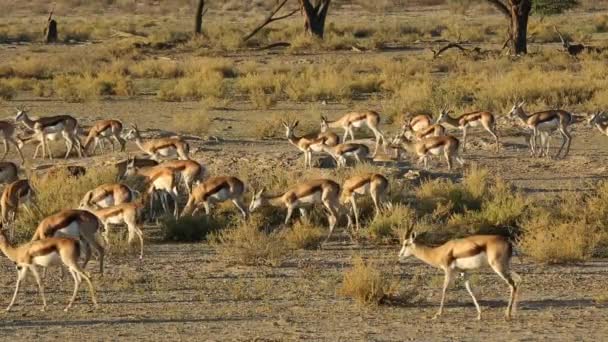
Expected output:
(16, 194)
(160, 147)
(107, 195)
(474, 119)
(352, 120)
(77, 224)
(160, 180)
(215, 190)
(447, 144)
(341, 151)
(105, 130)
(310, 143)
(374, 184)
(543, 124)
(7, 132)
(598, 120)
(463, 255)
(301, 196)
(9, 172)
(65, 125)
(44, 253)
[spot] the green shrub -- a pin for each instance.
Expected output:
(189, 228)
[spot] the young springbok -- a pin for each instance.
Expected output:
(7, 132)
(9, 172)
(301, 196)
(447, 144)
(160, 147)
(66, 125)
(481, 118)
(463, 255)
(160, 180)
(105, 130)
(341, 151)
(16, 194)
(598, 120)
(310, 143)
(215, 190)
(107, 195)
(374, 184)
(44, 253)
(352, 120)
(77, 224)
(543, 124)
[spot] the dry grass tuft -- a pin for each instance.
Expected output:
(197, 124)
(391, 224)
(304, 235)
(365, 283)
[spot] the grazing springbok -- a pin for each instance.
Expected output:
(417, 123)
(481, 118)
(64, 125)
(374, 184)
(215, 190)
(160, 147)
(16, 194)
(308, 144)
(188, 170)
(447, 144)
(543, 124)
(77, 224)
(341, 151)
(352, 120)
(7, 132)
(9, 172)
(44, 253)
(121, 166)
(105, 130)
(598, 120)
(107, 195)
(128, 214)
(159, 180)
(301, 196)
(463, 255)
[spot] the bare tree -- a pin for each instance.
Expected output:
(198, 19)
(270, 18)
(50, 31)
(315, 12)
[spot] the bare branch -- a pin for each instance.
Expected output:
(270, 18)
(501, 6)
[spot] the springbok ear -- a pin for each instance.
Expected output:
(323, 117)
(413, 236)
(296, 123)
(284, 124)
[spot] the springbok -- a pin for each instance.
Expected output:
(121, 166)
(16, 194)
(341, 151)
(447, 144)
(417, 123)
(215, 190)
(7, 132)
(473, 119)
(352, 120)
(543, 124)
(598, 120)
(189, 171)
(65, 125)
(44, 253)
(374, 184)
(9, 172)
(77, 224)
(160, 147)
(463, 255)
(105, 130)
(107, 195)
(301, 196)
(160, 180)
(308, 144)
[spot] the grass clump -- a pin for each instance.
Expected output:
(365, 283)
(189, 228)
(197, 124)
(304, 235)
(391, 224)
(7, 91)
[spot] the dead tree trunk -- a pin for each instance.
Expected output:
(518, 12)
(198, 19)
(314, 16)
(50, 31)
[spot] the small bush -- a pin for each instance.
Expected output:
(304, 235)
(189, 228)
(391, 224)
(365, 283)
(156, 68)
(7, 92)
(193, 123)
(271, 128)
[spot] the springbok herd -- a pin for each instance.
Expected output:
(70, 235)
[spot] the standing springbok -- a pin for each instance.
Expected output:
(189, 171)
(215, 190)
(128, 214)
(7, 132)
(474, 119)
(44, 253)
(105, 130)
(160, 147)
(9, 172)
(121, 166)
(65, 125)
(598, 120)
(447, 144)
(543, 124)
(16, 194)
(374, 184)
(301, 196)
(310, 143)
(352, 120)
(417, 122)
(462, 255)
(77, 224)
(341, 151)
(160, 180)
(107, 195)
